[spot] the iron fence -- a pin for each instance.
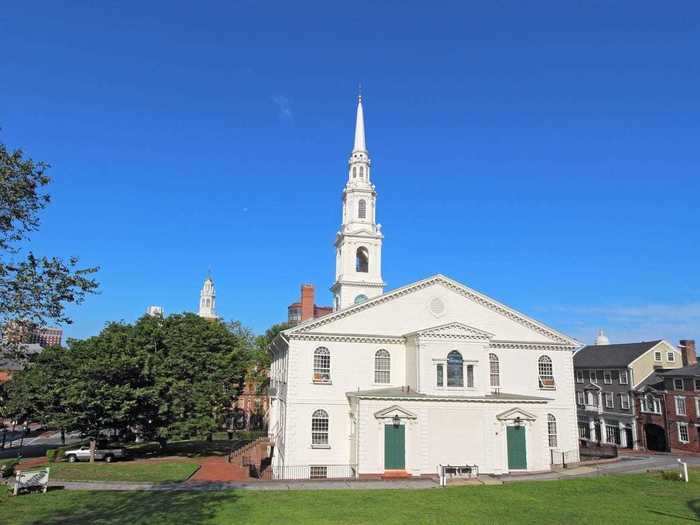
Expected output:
(306, 472)
(563, 457)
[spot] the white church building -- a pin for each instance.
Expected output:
(432, 373)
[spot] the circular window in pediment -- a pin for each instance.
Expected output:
(437, 306)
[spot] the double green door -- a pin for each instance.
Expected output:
(394, 447)
(517, 452)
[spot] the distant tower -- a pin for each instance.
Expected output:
(154, 311)
(207, 299)
(358, 244)
(602, 339)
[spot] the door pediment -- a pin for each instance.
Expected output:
(394, 410)
(516, 413)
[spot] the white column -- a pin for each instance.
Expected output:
(623, 434)
(591, 427)
(603, 436)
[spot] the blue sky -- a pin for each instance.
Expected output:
(544, 153)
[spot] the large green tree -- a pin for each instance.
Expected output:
(33, 289)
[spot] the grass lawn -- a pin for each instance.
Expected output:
(155, 471)
(629, 499)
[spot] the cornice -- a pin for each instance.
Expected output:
(516, 345)
(348, 338)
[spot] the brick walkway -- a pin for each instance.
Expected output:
(218, 469)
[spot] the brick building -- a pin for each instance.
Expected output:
(306, 308)
(29, 333)
(668, 406)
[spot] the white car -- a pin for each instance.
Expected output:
(83, 454)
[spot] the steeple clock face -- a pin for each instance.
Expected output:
(360, 299)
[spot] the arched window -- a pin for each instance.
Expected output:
(362, 172)
(362, 260)
(319, 428)
(455, 369)
(382, 367)
(361, 298)
(494, 369)
(552, 430)
(362, 209)
(354, 172)
(546, 373)
(322, 365)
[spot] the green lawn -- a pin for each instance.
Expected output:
(155, 471)
(630, 499)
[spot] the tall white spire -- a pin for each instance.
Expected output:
(360, 127)
(207, 299)
(358, 273)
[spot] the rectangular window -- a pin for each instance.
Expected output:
(615, 375)
(579, 376)
(609, 400)
(623, 377)
(671, 356)
(440, 372)
(697, 384)
(680, 406)
(584, 431)
(683, 435)
(579, 398)
(318, 472)
(591, 376)
(612, 433)
(599, 376)
(678, 384)
(607, 377)
(624, 401)
(697, 407)
(470, 376)
(657, 356)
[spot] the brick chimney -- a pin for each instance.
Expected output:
(688, 352)
(307, 301)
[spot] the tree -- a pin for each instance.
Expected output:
(33, 289)
(259, 372)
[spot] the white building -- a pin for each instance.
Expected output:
(207, 299)
(155, 311)
(431, 373)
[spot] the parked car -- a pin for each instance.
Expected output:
(101, 454)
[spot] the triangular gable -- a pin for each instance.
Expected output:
(591, 386)
(516, 413)
(547, 334)
(395, 410)
(454, 330)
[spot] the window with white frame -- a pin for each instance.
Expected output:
(650, 404)
(591, 398)
(470, 376)
(318, 472)
(623, 377)
(546, 373)
(580, 398)
(609, 400)
(657, 356)
(440, 371)
(382, 367)
(697, 384)
(680, 406)
(683, 435)
(624, 401)
(697, 406)
(615, 374)
(552, 430)
(455, 369)
(612, 433)
(319, 428)
(579, 376)
(671, 356)
(591, 377)
(362, 209)
(494, 370)
(678, 384)
(607, 377)
(584, 431)
(322, 365)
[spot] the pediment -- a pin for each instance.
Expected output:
(453, 330)
(415, 307)
(394, 410)
(516, 413)
(591, 386)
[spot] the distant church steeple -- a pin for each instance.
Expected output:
(358, 272)
(207, 299)
(602, 339)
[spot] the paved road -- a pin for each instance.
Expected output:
(34, 445)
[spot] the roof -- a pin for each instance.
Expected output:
(653, 380)
(690, 370)
(612, 355)
(407, 394)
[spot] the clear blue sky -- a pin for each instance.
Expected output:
(544, 153)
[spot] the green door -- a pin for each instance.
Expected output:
(394, 447)
(517, 455)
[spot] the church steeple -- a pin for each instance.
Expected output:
(358, 275)
(207, 299)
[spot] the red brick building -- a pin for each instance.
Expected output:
(667, 404)
(29, 333)
(251, 407)
(306, 308)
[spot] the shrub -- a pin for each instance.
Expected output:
(670, 475)
(57, 454)
(7, 468)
